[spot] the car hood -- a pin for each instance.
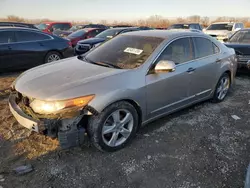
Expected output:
(240, 49)
(91, 41)
(217, 32)
(62, 79)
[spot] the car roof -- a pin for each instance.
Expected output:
(55, 22)
(19, 28)
(185, 23)
(16, 23)
(225, 22)
(122, 28)
(165, 33)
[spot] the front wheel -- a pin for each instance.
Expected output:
(113, 128)
(222, 88)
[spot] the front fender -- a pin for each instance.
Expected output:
(101, 101)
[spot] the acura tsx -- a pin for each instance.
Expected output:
(127, 82)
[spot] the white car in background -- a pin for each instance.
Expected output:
(223, 30)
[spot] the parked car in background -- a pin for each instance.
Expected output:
(17, 24)
(101, 26)
(186, 26)
(127, 82)
(50, 27)
(23, 48)
(222, 30)
(115, 26)
(84, 46)
(65, 33)
(240, 42)
(83, 34)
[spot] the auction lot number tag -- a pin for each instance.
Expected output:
(133, 51)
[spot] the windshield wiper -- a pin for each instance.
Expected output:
(105, 64)
(108, 64)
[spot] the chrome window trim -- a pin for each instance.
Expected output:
(51, 38)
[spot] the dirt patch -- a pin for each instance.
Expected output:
(202, 146)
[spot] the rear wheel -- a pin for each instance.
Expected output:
(113, 128)
(222, 88)
(52, 56)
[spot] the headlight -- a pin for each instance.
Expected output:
(50, 107)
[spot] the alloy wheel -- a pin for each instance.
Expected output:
(53, 57)
(223, 88)
(117, 127)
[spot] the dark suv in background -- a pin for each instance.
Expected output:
(186, 26)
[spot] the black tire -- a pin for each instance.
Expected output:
(49, 54)
(216, 98)
(96, 123)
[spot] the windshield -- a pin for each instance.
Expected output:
(241, 37)
(42, 26)
(78, 33)
(228, 27)
(179, 26)
(110, 33)
(126, 52)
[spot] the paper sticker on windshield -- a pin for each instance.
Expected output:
(133, 51)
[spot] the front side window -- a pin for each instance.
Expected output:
(26, 36)
(179, 51)
(126, 52)
(7, 37)
(203, 47)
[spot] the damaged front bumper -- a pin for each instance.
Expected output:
(68, 128)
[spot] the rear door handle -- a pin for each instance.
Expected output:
(191, 70)
(9, 47)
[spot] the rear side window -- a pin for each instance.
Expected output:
(203, 47)
(25, 36)
(7, 37)
(216, 49)
(179, 51)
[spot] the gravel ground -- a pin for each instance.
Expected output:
(202, 146)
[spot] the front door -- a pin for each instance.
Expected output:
(169, 91)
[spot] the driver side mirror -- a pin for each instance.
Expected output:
(165, 66)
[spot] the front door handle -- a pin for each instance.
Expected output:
(9, 47)
(191, 69)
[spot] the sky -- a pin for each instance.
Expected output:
(121, 10)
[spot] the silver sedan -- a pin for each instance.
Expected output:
(122, 84)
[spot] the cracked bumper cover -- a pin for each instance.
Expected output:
(67, 138)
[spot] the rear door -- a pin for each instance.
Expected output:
(204, 69)
(7, 52)
(31, 48)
